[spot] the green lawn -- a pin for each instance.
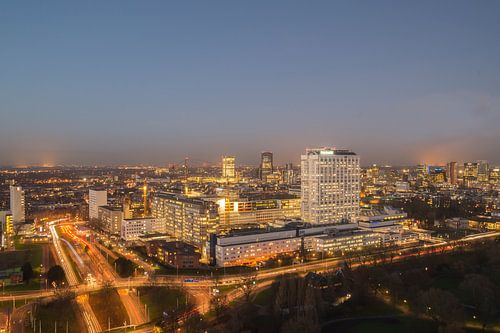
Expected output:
(108, 306)
(264, 297)
(61, 313)
(35, 258)
(160, 299)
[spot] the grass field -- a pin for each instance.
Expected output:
(108, 306)
(57, 313)
(160, 299)
(264, 297)
(35, 258)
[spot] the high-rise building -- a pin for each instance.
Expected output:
(494, 176)
(452, 173)
(482, 171)
(96, 199)
(330, 185)
(437, 175)
(266, 164)
(289, 176)
(17, 204)
(471, 171)
(228, 169)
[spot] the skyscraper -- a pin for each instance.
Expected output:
(482, 171)
(17, 204)
(330, 185)
(266, 164)
(228, 170)
(96, 199)
(452, 173)
(471, 171)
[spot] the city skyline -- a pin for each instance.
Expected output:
(399, 84)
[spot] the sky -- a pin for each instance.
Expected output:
(152, 82)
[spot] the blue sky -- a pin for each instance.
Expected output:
(107, 82)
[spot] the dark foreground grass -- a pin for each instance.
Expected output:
(382, 325)
(163, 299)
(60, 313)
(108, 308)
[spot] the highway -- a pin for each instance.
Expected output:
(101, 268)
(87, 313)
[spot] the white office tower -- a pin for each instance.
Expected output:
(96, 199)
(17, 204)
(330, 186)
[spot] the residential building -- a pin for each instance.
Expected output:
(190, 220)
(176, 254)
(111, 218)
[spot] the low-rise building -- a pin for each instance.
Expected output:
(249, 248)
(178, 254)
(132, 229)
(485, 222)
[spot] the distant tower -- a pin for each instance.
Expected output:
(482, 171)
(266, 164)
(186, 169)
(17, 204)
(452, 173)
(228, 169)
(145, 197)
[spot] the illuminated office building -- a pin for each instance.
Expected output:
(471, 171)
(6, 227)
(482, 171)
(266, 165)
(437, 175)
(494, 176)
(228, 168)
(257, 210)
(330, 185)
(17, 204)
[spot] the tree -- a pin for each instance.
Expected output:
(219, 304)
(55, 274)
(480, 293)
(124, 267)
(28, 273)
(195, 324)
(441, 306)
(301, 324)
(247, 286)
